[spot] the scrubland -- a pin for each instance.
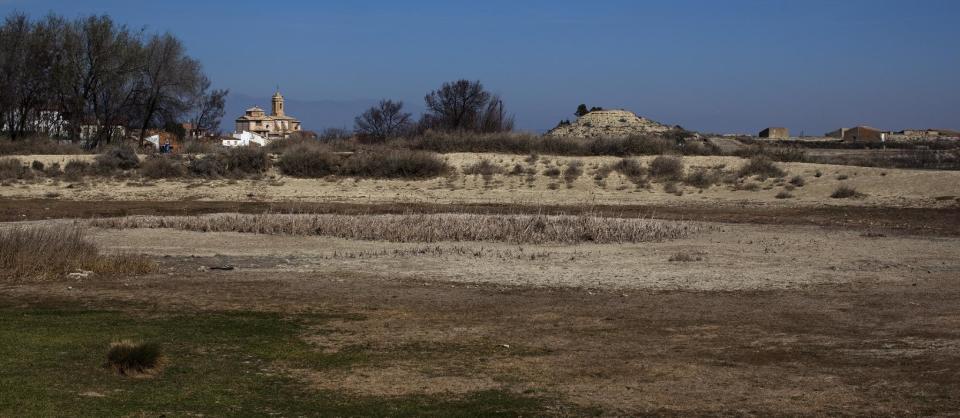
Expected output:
(360, 281)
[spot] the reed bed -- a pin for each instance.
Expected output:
(45, 252)
(516, 229)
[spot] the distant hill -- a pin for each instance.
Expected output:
(608, 124)
(316, 115)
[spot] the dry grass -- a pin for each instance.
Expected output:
(133, 358)
(54, 251)
(518, 229)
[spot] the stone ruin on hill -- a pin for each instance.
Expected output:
(609, 124)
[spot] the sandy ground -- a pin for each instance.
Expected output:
(773, 321)
(731, 257)
(883, 187)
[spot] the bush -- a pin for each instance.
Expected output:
(844, 192)
(37, 165)
(797, 181)
(761, 166)
(394, 163)
(209, 166)
(75, 170)
(128, 357)
(702, 178)
(666, 168)
(13, 169)
(53, 170)
(245, 161)
(573, 171)
(312, 161)
(48, 252)
(161, 168)
(484, 168)
(122, 157)
(38, 146)
(552, 172)
(309, 162)
(784, 195)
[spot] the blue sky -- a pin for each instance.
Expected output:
(716, 66)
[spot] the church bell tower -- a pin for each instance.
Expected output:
(277, 104)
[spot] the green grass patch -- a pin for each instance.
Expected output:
(216, 364)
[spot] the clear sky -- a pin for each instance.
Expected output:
(708, 65)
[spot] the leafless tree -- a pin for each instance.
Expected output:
(92, 70)
(208, 107)
(464, 105)
(385, 120)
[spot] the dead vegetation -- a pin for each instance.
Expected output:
(54, 251)
(518, 229)
(130, 358)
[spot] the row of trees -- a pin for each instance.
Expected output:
(93, 71)
(459, 106)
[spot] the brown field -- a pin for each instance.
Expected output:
(763, 306)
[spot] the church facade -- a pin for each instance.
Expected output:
(276, 125)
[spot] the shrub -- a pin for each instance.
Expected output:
(702, 178)
(552, 172)
(128, 357)
(245, 161)
(209, 166)
(309, 162)
(38, 146)
(385, 162)
(842, 177)
(573, 171)
(53, 170)
(797, 181)
(483, 168)
(666, 168)
(517, 170)
(122, 157)
(13, 169)
(37, 165)
(75, 170)
(313, 161)
(632, 170)
(685, 258)
(844, 192)
(784, 195)
(47, 252)
(761, 166)
(161, 168)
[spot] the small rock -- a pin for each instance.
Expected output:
(79, 274)
(505, 345)
(202, 269)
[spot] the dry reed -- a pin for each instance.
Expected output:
(51, 251)
(518, 229)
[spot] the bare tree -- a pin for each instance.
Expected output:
(207, 107)
(464, 105)
(92, 71)
(385, 120)
(168, 81)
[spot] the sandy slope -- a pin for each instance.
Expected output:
(883, 187)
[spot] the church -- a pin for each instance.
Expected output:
(276, 125)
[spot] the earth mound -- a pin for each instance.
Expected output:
(609, 124)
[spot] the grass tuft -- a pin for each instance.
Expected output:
(132, 358)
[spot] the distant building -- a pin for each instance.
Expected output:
(244, 139)
(858, 134)
(775, 133)
(277, 125)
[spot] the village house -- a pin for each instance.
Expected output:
(858, 134)
(775, 133)
(276, 125)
